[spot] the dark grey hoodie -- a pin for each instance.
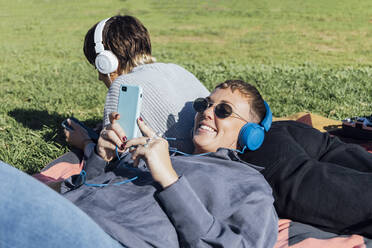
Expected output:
(218, 201)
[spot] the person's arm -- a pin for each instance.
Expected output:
(253, 224)
(97, 156)
(324, 194)
(33, 215)
(94, 165)
(317, 179)
(111, 140)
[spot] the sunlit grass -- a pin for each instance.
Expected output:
(303, 56)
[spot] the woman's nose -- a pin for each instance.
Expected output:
(209, 112)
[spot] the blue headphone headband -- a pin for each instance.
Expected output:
(252, 135)
(268, 119)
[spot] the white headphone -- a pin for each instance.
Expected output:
(106, 62)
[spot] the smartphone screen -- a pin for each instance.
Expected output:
(66, 125)
(129, 107)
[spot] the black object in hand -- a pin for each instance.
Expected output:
(92, 134)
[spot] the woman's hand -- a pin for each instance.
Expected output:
(78, 137)
(111, 136)
(155, 151)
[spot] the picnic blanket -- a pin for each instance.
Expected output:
(291, 234)
(297, 235)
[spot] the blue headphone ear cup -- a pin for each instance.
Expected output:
(251, 135)
(106, 62)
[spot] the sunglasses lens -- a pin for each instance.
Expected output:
(223, 110)
(200, 105)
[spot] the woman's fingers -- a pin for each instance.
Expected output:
(138, 147)
(136, 142)
(73, 124)
(155, 153)
(114, 117)
(146, 130)
(105, 149)
(108, 145)
(142, 148)
(67, 134)
(112, 137)
(137, 154)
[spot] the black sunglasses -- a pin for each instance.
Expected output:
(222, 110)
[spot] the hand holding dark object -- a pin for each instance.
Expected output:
(76, 136)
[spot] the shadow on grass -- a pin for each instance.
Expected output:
(40, 119)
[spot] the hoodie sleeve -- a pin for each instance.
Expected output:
(94, 165)
(253, 224)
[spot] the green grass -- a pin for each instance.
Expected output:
(303, 56)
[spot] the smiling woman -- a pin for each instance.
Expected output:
(236, 104)
(212, 132)
(169, 197)
(164, 201)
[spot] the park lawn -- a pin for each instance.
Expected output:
(302, 55)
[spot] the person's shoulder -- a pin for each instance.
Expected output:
(287, 128)
(140, 73)
(294, 129)
(154, 69)
(120, 79)
(162, 74)
(168, 65)
(224, 162)
(157, 66)
(289, 124)
(179, 73)
(171, 66)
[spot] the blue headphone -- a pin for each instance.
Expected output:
(252, 135)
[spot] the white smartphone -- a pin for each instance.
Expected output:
(129, 108)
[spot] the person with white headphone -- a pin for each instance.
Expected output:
(120, 49)
(116, 45)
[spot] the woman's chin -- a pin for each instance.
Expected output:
(204, 144)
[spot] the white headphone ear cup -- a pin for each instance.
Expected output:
(106, 62)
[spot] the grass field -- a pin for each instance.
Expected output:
(303, 56)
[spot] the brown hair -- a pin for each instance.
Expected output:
(127, 38)
(255, 101)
